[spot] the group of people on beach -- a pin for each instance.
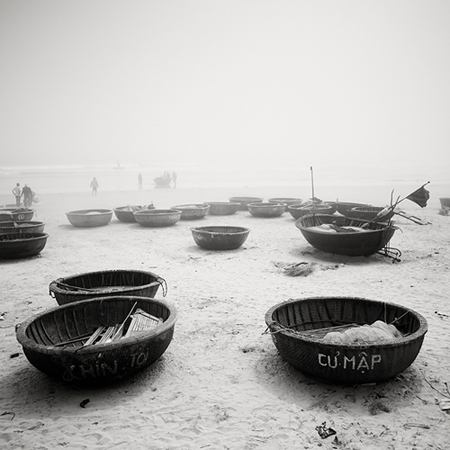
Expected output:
(26, 192)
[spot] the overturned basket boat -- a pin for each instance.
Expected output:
(21, 245)
(106, 283)
(98, 340)
(345, 236)
(90, 217)
(298, 328)
(10, 226)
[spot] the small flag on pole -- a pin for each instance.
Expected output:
(420, 196)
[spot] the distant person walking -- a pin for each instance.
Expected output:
(174, 178)
(27, 196)
(140, 181)
(94, 186)
(17, 193)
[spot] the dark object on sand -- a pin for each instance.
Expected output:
(20, 245)
(106, 283)
(90, 217)
(125, 213)
(344, 207)
(445, 202)
(371, 213)
(266, 209)
(163, 181)
(299, 210)
(244, 201)
(220, 237)
(223, 208)
(99, 340)
(192, 211)
(299, 325)
(287, 200)
(157, 217)
(16, 214)
(11, 226)
(345, 236)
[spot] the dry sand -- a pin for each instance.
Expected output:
(221, 384)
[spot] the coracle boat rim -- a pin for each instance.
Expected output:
(275, 327)
(123, 342)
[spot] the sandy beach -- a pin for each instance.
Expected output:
(221, 384)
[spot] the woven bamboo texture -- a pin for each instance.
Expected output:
(106, 283)
(21, 245)
(52, 340)
(294, 324)
(350, 244)
(21, 227)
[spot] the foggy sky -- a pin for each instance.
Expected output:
(88, 81)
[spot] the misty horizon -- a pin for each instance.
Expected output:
(204, 82)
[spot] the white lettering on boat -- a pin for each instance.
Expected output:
(361, 362)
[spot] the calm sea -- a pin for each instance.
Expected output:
(77, 178)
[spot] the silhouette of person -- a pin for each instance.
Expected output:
(94, 186)
(174, 178)
(17, 193)
(27, 196)
(140, 181)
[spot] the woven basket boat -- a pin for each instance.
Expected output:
(223, 208)
(125, 213)
(220, 237)
(244, 201)
(344, 207)
(157, 217)
(266, 209)
(299, 325)
(287, 200)
(350, 243)
(56, 341)
(300, 210)
(370, 213)
(16, 214)
(106, 283)
(445, 202)
(90, 217)
(21, 245)
(192, 211)
(21, 227)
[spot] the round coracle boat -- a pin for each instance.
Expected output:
(346, 340)
(16, 214)
(157, 217)
(126, 213)
(287, 200)
(21, 245)
(445, 202)
(106, 283)
(244, 201)
(344, 207)
(99, 340)
(193, 211)
(375, 213)
(220, 237)
(345, 236)
(223, 208)
(90, 217)
(300, 210)
(266, 209)
(21, 227)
